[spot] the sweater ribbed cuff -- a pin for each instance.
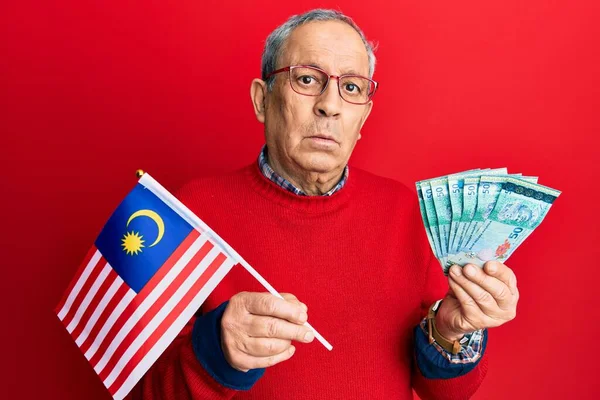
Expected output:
(206, 341)
(433, 365)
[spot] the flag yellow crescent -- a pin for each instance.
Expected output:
(154, 217)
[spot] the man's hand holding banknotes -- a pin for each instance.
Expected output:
(474, 221)
(478, 298)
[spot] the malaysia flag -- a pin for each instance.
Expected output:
(152, 266)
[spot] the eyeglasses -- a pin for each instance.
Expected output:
(312, 81)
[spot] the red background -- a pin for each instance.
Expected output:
(90, 92)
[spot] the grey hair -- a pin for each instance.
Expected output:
(279, 36)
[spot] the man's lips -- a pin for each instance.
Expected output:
(323, 138)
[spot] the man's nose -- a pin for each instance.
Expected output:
(329, 103)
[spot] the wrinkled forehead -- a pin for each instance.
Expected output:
(331, 45)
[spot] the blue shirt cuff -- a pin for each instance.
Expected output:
(206, 341)
(435, 363)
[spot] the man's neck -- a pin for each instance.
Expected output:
(311, 183)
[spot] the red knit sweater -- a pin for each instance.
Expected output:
(360, 261)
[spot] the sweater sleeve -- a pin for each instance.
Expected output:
(457, 388)
(206, 341)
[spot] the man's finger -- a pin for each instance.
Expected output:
(495, 287)
(502, 273)
(247, 362)
(484, 299)
(293, 299)
(288, 296)
(262, 347)
(269, 327)
(463, 297)
(268, 305)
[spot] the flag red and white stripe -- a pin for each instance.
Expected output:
(122, 333)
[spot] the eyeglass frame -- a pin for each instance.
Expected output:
(338, 77)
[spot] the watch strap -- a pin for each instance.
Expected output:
(435, 336)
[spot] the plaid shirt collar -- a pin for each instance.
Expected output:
(287, 185)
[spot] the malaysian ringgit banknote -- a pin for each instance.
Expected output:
(487, 194)
(481, 215)
(429, 219)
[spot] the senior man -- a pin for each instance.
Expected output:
(343, 240)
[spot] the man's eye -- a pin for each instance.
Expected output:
(307, 80)
(352, 88)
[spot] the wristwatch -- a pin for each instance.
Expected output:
(435, 336)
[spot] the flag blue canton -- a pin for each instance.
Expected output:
(140, 236)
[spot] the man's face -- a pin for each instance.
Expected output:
(316, 134)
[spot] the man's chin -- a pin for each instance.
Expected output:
(320, 163)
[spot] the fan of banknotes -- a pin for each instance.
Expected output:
(480, 215)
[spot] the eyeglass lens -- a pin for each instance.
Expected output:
(312, 82)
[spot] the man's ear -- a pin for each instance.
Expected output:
(258, 94)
